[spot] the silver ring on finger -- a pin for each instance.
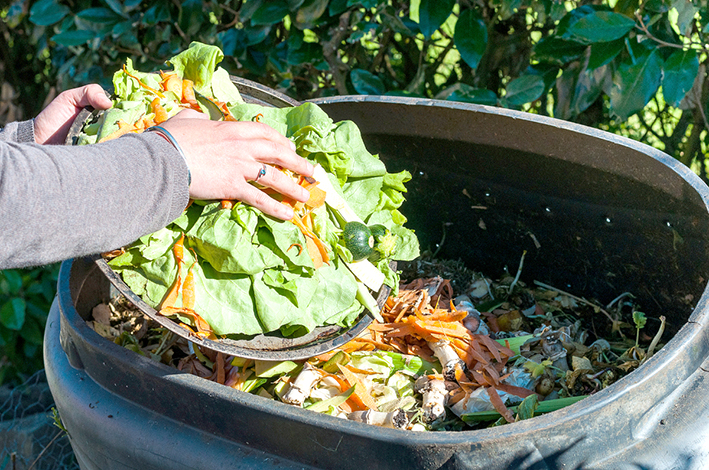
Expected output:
(261, 172)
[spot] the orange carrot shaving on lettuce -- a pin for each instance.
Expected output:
(171, 82)
(297, 245)
(317, 195)
(188, 95)
(225, 109)
(310, 235)
(160, 113)
(172, 294)
(123, 129)
(147, 87)
(167, 307)
(188, 297)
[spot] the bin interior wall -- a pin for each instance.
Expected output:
(595, 219)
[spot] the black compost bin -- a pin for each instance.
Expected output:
(597, 214)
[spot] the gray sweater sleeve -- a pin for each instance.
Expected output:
(59, 202)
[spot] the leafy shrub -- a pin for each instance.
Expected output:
(574, 60)
(25, 299)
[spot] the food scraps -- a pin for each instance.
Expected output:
(483, 353)
(224, 268)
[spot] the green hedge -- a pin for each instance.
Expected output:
(632, 68)
(582, 61)
(25, 299)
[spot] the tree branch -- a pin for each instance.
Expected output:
(693, 144)
(672, 141)
(643, 27)
(140, 53)
(331, 53)
(383, 49)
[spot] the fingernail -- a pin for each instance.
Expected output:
(304, 195)
(292, 145)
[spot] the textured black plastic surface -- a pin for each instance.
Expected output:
(517, 166)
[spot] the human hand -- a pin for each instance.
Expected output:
(223, 156)
(53, 123)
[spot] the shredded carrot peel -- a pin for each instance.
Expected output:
(147, 87)
(160, 113)
(171, 296)
(168, 307)
(188, 95)
(171, 82)
(297, 245)
(415, 320)
(319, 245)
(360, 391)
(123, 129)
(188, 297)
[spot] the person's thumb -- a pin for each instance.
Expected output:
(91, 95)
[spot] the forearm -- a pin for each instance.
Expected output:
(58, 202)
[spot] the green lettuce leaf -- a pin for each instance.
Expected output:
(126, 88)
(223, 89)
(197, 63)
(108, 121)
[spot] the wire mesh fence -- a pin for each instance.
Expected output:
(30, 434)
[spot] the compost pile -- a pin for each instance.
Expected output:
(457, 350)
(452, 348)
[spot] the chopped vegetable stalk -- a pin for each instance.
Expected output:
(655, 339)
(333, 198)
(302, 385)
(448, 358)
(367, 273)
(395, 419)
(546, 406)
(267, 369)
(434, 398)
(369, 302)
(332, 364)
